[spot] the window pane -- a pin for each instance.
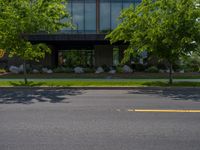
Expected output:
(90, 17)
(115, 12)
(126, 3)
(78, 15)
(116, 56)
(75, 58)
(137, 2)
(105, 16)
(67, 19)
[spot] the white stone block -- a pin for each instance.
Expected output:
(127, 69)
(14, 69)
(78, 70)
(99, 70)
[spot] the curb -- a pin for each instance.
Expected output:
(99, 88)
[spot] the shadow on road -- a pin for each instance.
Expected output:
(172, 93)
(30, 96)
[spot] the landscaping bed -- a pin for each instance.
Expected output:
(135, 75)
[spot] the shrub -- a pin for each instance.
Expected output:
(152, 69)
(139, 67)
(191, 63)
(2, 71)
(119, 69)
(105, 68)
(89, 70)
(63, 70)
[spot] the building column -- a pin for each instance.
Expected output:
(104, 55)
(54, 57)
(98, 16)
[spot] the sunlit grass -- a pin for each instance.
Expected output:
(98, 83)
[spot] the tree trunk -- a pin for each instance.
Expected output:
(170, 74)
(25, 73)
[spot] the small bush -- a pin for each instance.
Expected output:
(139, 67)
(191, 63)
(63, 70)
(89, 70)
(2, 71)
(105, 68)
(119, 69)
(152, 69)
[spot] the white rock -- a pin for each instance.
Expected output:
(21, 68)
(99, 70)
(141, 61)
(78, 70)
(162, 71)
(45, 70)
(49, 71)
(169, 71)
(14, 69)
(144, 54)
(112, 71)
(182, 71)
(127, 69)
(35, 71)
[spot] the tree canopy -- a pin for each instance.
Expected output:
(22, 17)
(19, 18)
(166, 28)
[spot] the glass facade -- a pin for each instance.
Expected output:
(74, 58)
(105, 22)
(78, 15)
(92, 16)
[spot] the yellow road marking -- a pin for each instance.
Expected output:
(164, 110)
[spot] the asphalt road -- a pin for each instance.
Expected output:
(61, 119)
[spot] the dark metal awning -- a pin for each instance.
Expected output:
(66, 37)
(70, 41)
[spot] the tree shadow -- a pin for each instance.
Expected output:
(35, 95)
(175, 84)
(173, 93)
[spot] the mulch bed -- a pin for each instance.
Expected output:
(135, 75)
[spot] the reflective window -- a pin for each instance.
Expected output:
(115, 56)
(105, 22)
(69, 5)
(74, 58)
(83, 13)
(116, 8)
(137, 2)
(126, 3)
(90, 17)
(78, 15)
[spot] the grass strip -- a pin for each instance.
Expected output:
(98, 83)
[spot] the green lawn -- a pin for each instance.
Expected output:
(99, 83)
(104, 79)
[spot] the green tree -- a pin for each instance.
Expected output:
(166, 28)
(20, 18)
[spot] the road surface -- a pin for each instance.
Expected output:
(69, 119)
